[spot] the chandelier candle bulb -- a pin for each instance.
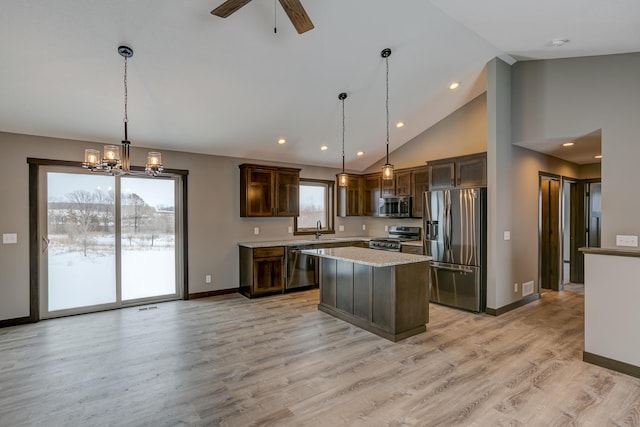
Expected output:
(154, 163)
(91, 157)
(111, 155)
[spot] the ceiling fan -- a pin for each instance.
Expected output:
(293, 8)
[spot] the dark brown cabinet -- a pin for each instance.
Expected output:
(350, 197)
(261, 270)
(268, 191)
(370, 193)
(419, 184)
(403, 183)
(465, 171)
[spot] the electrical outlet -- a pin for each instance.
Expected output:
(9, 238)
(364, 227)
(290, 229)
(207, 278)
(631, 241)
(515, 287)
(256, 230)
(341, 228)
(386, 228)
(507, 235)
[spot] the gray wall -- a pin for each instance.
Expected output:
(215, 226)
(573, 97)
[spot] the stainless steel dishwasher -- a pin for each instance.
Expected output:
(301, 268)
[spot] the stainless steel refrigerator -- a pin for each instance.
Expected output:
(455, 230)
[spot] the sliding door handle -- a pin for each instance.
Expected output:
(45, 244)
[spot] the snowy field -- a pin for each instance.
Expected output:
(77, 281)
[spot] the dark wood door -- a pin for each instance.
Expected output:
(419, 184)
(288, 186)
(550, 233)
(577, 229)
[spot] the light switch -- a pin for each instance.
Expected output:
(631, 241)
(9, 238)
(290, 229)
(507, 235)
(341, 228)
(256, 230)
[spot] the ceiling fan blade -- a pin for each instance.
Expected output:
(228, 7)
(297, 15)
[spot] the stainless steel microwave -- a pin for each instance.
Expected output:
(396, 207)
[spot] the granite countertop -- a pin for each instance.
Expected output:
(293, 242)
(372, 257)
(630, 252)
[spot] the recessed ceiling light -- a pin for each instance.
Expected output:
(281, 141)
(597, 156)
(360, 153)
(399, 124)
(568, 144)
(324, 148)
(454, 85)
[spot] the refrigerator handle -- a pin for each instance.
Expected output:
(434, 230)
(427, 230)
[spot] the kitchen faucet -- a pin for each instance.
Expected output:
(318, 228)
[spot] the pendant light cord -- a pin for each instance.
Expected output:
(343, 127)
(126, 94)
(387, 106)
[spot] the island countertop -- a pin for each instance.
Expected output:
(371, 257)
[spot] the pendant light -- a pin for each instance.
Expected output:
(387, 168)
(342, 177)
(116, 160)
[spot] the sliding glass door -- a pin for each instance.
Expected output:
(106, 241)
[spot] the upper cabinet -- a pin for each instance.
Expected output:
(419, 184)
(465, 171)
(268, 191)
(370, 193)
(350, 197)
(403, 182)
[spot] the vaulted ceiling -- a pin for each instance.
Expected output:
(233, 87)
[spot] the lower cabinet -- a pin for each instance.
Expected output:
(261, 270)
(411, 249)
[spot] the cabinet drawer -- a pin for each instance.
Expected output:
(410, 249)
(268, 252)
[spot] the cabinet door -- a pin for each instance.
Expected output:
(259, 192)
(287, 193)
(268, 274)
(370, 194)
(350, 197)
(419, 184)
(388, 187)
(472, 172)
(403, 183)
(441, 176)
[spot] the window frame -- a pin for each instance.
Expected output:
(328, 225)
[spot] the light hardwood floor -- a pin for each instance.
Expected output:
(279, 361)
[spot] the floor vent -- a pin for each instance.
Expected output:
(527, 288)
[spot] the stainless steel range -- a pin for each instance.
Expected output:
(397, 235)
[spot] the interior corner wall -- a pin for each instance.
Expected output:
(499, 147)
(571, 97)
(215, 225)
(462, 132)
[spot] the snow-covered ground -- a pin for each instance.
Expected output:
(76, 280)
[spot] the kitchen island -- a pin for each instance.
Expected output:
(383, 292)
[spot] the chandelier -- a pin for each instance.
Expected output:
(342, 177)
(387, 168)
(116, 160)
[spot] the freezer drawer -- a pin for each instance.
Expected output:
(457, 286)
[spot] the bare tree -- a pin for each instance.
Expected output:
(82, 216)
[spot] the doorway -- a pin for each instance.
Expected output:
(106, 241)
(549, 233)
